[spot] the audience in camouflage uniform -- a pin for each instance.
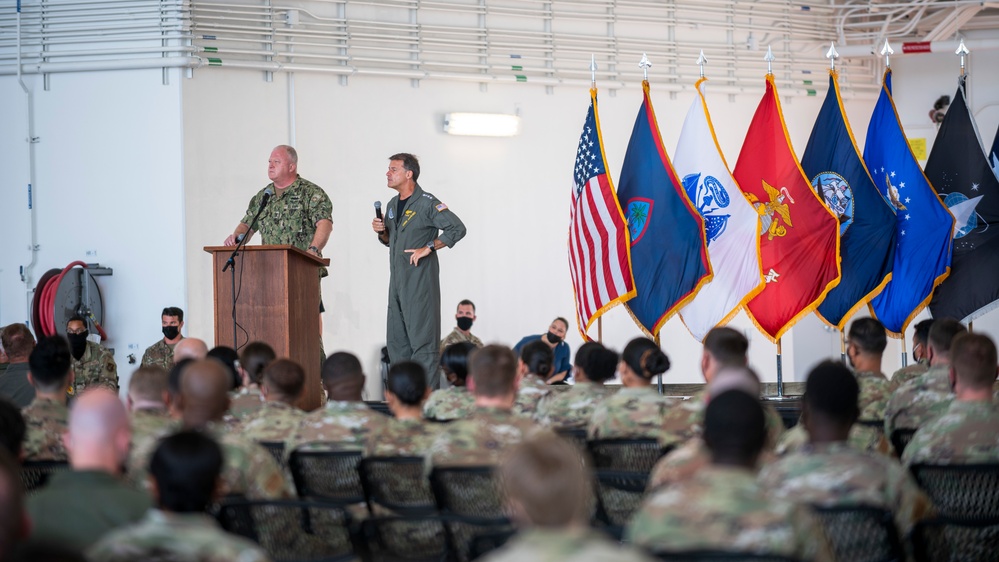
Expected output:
(93, 364)
(161, 352)
(278, 417)
(346, 421)
(77, 507)
(46, 417)
(637, 410)
(928, 395)
(549, 494)
(252, 359)
(186, 467)
(534, 367)
(968, 431)
(830, 472)
(722, 507)
(920, 356)
(593, 365)
(406, 433)
(16, 345)
(481, 438)
(455, 402)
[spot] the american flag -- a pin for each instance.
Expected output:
(599, 248)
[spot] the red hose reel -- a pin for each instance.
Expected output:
(62, 294)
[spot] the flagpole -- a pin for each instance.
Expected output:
(780, 372)
(842, 346)
(905, 355)
(961, 51)
(660, 374)
(600, 329)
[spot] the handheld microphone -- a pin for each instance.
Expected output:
(378, 210)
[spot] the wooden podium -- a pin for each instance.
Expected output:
(278, 303)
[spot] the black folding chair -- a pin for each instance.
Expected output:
(900, 439)
(861, 533)
(330, 475)
(634, 455)
(720, 556)
(469, 494)
(36, 474)
(299, 530)
(619, 495)
(379, 406)
(947, 539)
(415, 538)
(575, 436)
(276, 449)
(397, 483)
(968, 491)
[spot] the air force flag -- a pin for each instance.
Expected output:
(732, 224)
(923, 247)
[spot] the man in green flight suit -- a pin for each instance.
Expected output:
(412, 231)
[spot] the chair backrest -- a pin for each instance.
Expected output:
(397, 483)
(720, 556)
(379, 406)
(619, 494)
(900, 439)
(575, 436)
(330, 475)
(877, 425)
(950, 539)
(35, 474)
(861, 533)
(635, 455)
(468, 491)
(431, 538)
(292, 529)
(412, 538)
(276, 449)
(968, 491)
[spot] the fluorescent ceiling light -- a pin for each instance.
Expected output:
(482, 124)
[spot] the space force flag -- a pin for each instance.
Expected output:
(799, 239)
(669, 255)
(837, 172)
(965, 181)
(924, 227)
(599, 259)
(732, 224)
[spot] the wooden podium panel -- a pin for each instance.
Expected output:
(277, 303)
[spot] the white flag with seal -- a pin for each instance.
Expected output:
(732, 224)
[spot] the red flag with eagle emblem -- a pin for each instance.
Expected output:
(799, 244)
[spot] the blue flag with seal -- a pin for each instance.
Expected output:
(833, 165)
(669, 256)
(923, 224)
(965, 180)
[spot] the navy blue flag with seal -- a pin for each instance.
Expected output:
(967, 184)
(833, 164)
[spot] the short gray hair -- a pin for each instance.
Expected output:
(290, 151)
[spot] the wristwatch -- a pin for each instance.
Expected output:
(431, 246)
(316, 250)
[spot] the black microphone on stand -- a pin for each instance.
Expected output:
(242, 237)
(378, 214)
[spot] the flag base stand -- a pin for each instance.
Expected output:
(780, 374)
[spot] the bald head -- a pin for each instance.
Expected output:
(734, 378)
(204, 392)
(98, 431)
(190, 348)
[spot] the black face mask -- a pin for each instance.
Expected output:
(78, 343)
(553, 338)
(171, 332)
(464, 323)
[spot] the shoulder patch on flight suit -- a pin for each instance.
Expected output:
(441, 207)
